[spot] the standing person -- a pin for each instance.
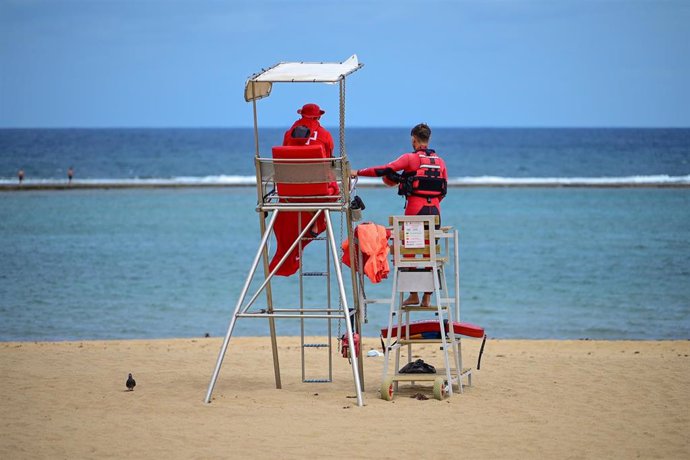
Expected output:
(422, 180)
(308, 131)
(20, 176)
(70, 174)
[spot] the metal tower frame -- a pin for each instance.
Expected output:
(270, 171)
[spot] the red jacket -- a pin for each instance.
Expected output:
(288, 225)
(317, 134)
(407, 163)
(373, 242)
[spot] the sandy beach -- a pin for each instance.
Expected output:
(548, 399)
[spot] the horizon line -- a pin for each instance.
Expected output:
(347, 127)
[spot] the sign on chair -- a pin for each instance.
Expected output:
(413, 235)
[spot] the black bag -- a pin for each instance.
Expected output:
(357, 203)
(418, 367)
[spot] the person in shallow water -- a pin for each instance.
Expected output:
(422, 179)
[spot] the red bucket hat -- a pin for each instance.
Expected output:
(310, 110)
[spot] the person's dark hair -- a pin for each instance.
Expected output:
(421, 132)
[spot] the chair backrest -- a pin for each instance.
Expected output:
(302, 170)
(415, 240)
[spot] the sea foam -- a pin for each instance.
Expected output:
(488, 181)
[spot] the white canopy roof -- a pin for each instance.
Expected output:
(318, 72)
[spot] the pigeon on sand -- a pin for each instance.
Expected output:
(131, 383)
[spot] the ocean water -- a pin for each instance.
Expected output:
(547, 262)
(491, 156)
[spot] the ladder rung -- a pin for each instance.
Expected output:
(317, 380)
(318, 238)
(408, 341)
(420, 308)
(453, 371)
(315, 345)
(315, 274)
(415, 377)
(426, 377)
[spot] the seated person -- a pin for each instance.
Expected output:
(308, 131)
(305, 131)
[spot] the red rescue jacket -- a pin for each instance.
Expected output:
(373, 242)
(410, 164)
(314, 133)
(429, 180)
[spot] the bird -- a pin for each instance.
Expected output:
(131, 383)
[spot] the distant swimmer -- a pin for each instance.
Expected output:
(20, 175)
(131, 383)
(70, 174)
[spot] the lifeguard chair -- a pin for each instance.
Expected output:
(423, 253)
(300, 182)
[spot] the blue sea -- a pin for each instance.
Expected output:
(609, 260)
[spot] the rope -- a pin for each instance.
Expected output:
(342, 117)
(342, 154)
(355, 263)
(340, 299)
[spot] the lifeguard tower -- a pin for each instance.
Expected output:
(302, 183)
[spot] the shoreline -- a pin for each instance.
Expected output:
(368, 338)
(532, 398)
(124, 186)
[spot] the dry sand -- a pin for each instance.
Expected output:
(547, 399)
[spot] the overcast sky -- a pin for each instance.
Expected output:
(482, 63)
